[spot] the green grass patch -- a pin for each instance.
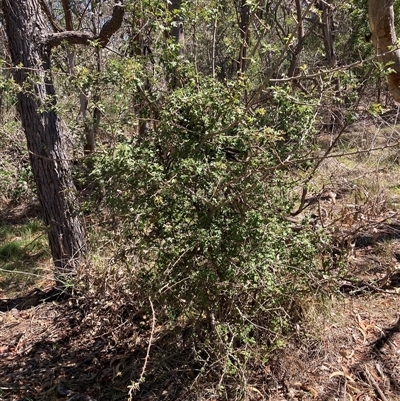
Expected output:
(24, 255)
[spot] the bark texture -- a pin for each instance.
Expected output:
(112, 25)
(244, 20)
(177, 28)
(381, 19)
(328, 32)
(30, 54)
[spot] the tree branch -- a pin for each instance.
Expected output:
(112, 25)
(71, 37)
(68, 15)
(83, 38)
(47, 11)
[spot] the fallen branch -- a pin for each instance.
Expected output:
(375, 385)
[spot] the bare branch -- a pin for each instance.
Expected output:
(83, 38)
(49, 15)
(71, 37)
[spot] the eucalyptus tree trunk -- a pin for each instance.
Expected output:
(294, 63)
(381, 19)
(30, 44)
(244, 19)
(177, 31)
(26, 28)
(328, 32)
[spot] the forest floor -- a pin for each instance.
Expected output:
(80, 347)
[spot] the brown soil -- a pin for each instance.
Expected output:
(85, 349)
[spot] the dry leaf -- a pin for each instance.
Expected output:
(338, 373)
(312, 390)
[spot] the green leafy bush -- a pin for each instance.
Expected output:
(202, 205)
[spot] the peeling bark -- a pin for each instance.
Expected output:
(381, 19)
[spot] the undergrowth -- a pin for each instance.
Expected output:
(200, 210)
(24, 255)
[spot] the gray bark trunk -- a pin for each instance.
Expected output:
(327, 31)
(26, 32)
(177, 31)
(244, 18)
(294, 63)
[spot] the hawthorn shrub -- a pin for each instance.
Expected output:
(201, 203)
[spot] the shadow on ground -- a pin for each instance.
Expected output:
(68, 349)
(19, 214)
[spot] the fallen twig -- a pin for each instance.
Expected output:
(375, 385)
(134, 386)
